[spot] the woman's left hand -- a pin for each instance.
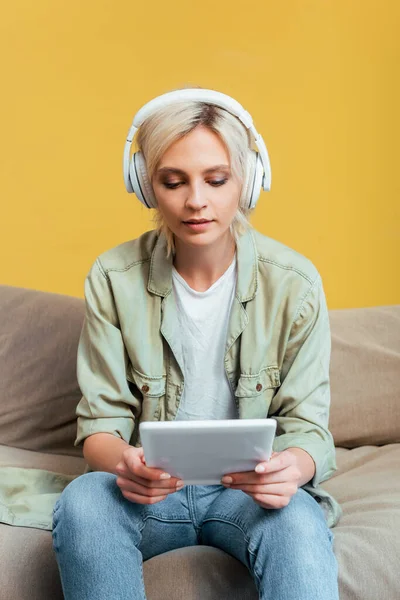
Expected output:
(272, 483)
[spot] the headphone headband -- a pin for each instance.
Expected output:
(197, 95)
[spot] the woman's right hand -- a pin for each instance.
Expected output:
(142, 484)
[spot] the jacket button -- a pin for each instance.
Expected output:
(258, 387)
(145, 389)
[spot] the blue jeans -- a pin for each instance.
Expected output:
(101, 539)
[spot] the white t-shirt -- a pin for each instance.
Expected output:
(203, 320)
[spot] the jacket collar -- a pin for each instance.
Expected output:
(160, 275)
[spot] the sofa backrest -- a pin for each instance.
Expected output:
(39, 392)
(39, 333)
(365, 376)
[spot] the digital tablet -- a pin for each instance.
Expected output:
(201, 452)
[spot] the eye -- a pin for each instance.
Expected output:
(214, 183)
(171, 186)
(218, 183)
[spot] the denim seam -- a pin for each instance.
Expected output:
(142, 522)
(287, 268)
(127, 267)
(170, 519)
(192, 508)
(54, 520)
(54, 523)
(246, 539)
(54, 537)
(304, 298)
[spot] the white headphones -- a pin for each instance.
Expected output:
(258, 167)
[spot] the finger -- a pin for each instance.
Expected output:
(274, 489)
(151, 473)
(290, 474)
(136, 466)
(133, 486)
(277, 462)
(270, 502)
(260, 468)
(251, 477)
(165, 484)
(142, 499)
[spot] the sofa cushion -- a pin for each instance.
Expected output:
(189, 573)
(29, 569)
(365, 376)
(28, 459)
(366, 539)
(39, 333)
(200, 573)
(366, 544)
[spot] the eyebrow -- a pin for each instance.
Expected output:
(181, 172)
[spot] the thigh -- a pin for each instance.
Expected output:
(92, 508)
(288, 550)
(167, 525)
(237, 525)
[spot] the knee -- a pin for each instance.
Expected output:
(302, 519)
(86, 498)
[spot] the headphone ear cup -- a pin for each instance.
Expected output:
(257, 181)
(248, 180)
(140, 181)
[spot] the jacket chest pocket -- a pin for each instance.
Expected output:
(255, 392)
(152, 393)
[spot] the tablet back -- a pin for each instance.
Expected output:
(201, 452)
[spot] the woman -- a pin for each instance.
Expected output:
(202, 318)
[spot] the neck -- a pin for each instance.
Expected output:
(200, 267)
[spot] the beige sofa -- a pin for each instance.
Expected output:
(39, 334)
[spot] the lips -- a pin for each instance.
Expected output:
(198, 221)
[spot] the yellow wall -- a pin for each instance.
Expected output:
(320, 78)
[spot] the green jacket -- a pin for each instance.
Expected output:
(277, 354)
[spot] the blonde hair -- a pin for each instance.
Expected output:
(170, 123)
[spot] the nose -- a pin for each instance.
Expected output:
(196, 198)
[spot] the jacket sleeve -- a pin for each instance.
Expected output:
(107, 404)
(302, 402)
